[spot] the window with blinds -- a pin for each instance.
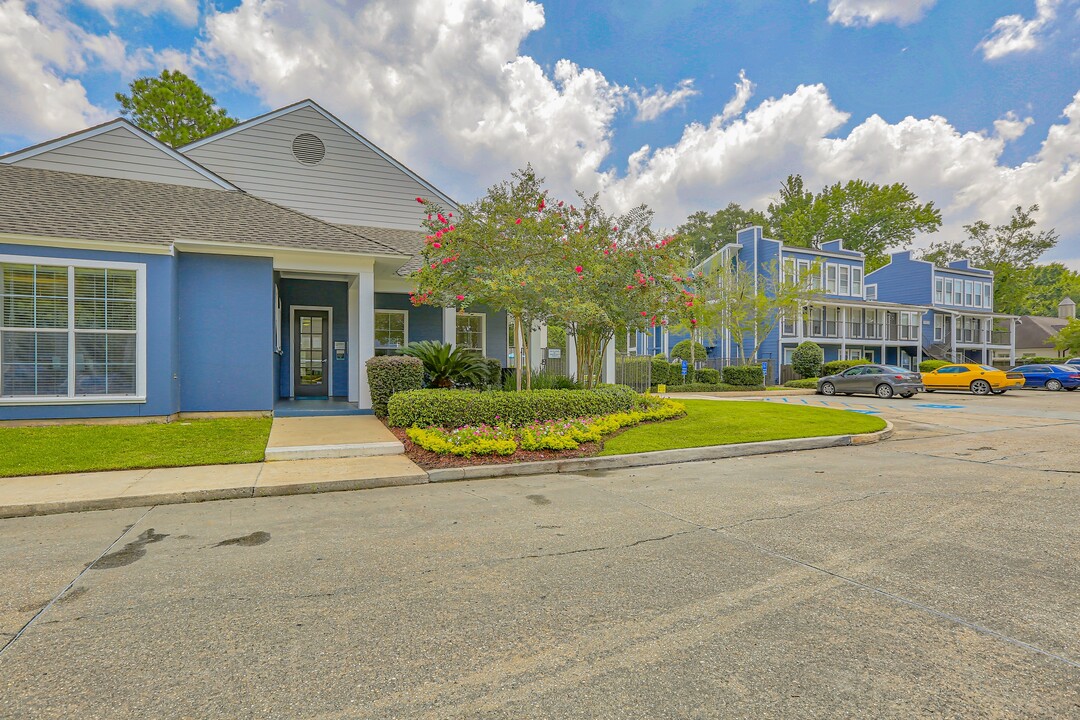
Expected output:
(68, 331)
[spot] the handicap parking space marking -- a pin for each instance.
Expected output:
(939, 406)
(865, 412)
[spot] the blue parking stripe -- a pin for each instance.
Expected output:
(805, 403)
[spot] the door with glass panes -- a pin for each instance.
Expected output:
(311, 355)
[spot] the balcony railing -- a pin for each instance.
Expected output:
(859, 331)
(1000, 337)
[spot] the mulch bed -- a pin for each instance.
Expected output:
(432, 461)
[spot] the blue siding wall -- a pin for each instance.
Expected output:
(318, 293)
(161, 385)
(226, 326)
(425, 322)
(904, 280)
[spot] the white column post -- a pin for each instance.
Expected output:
(1012, 342)
(356, 320)
(571, 355)
(843, 332)
(537, 342)
(609, 362)
(364, 326)
(449, 325)
(667, 344)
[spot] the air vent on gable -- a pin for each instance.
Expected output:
(308, 149)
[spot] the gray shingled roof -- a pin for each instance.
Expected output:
(70, 205)
(1035, 330)
(406, 242)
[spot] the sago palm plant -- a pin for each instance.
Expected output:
(446, 365)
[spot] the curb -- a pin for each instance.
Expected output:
(576, 465)
(659, 457)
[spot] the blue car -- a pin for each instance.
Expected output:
(1051, 377)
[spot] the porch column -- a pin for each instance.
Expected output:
(843, 332)
(609, 362)
(449, 325)
(1012, 342)
(666, 348)
(361, 336)
(571, 355)
(537, 342)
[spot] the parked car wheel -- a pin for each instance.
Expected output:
(1053, 384)
(884, 391)
(981, 387)
(828, 388)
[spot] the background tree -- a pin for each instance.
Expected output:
(1068, 338)
(173, 108)
(1049, 285)
(871, 218)
(1010, 250)
(708, 232)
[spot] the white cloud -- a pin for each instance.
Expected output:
(186, 11)
(1015, 34)
(864, 13)
(652, 105)
(1011, 127)
(744, 89)
(38, 56)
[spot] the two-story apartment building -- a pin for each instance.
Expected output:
(959, 323)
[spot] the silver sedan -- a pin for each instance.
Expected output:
(881, 380)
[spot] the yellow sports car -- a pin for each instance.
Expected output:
(978, 379)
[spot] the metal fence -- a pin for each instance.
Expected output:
(719, 363)
(633, 370)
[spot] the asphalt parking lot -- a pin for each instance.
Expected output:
(934, 575)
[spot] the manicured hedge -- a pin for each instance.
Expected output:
(744, 375)
(1040, 361)
(495, 372)
(457, 408)
(803, 384)
(709, 376)
(931, 365)
(839, 366)
(710, 387)
(390, 374)
(661, 370)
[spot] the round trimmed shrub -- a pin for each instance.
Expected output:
(931, 365)
(744, 375)
(804, 384)
(390, 374)
(681, 351)
(839, 366)
(807, 359)
(457, 408)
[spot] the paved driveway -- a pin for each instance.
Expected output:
(935, 575)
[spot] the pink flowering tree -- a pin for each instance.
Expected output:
(505, 250)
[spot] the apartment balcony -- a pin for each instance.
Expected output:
(832, 330)
(1001, 338)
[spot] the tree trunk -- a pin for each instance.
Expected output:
(519, 343)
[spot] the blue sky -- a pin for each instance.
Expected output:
(968, 91)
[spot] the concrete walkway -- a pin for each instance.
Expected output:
(349, 436)
(76, 492)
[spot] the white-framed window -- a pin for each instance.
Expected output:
(787, 324)
(939, 290)
(855, 354)
(845, 279)
(391, 331)
(939, 328)
(789, 353)
(856, 282)
(790, 277)
(472, 332)
(978, 294)
(830, 278)
(909, 325)
(71, 331)
(871, 292)
(815, 278)
(948, 291)
(988, 297)
(969, 291)
(958, 292)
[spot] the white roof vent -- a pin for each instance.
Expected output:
(308, 149)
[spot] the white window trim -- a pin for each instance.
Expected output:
(831, 289)
(394, 312)
(843, 283)
(293, 355)
(857, 288)
(140, 333)
(483, 329)
(939, 290)
(988, 295)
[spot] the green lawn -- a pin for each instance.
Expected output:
(713, 422)
(85, 448)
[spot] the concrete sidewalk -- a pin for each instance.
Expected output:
(76, 492)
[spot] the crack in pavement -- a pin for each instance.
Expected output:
(982, 629)
(71, 584)
(803, 511)
(605, 547)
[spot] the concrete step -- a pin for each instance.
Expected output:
(313, 438)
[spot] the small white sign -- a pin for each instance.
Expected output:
(554, 353)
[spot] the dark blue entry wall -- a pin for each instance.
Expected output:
(315, 293)
(225, 333)
(425, 321)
